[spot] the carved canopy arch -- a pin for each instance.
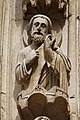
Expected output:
(54, 9)
(48, 7)
(34, 3)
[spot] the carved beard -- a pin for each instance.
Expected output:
(37, 38)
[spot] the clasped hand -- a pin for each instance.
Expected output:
(48, 45)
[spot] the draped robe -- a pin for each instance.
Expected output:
(41, 72)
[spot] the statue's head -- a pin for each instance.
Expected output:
(39, 27)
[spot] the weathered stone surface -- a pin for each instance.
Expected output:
(11, 28)
(1, 8)
(43, 72)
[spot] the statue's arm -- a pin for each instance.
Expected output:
(58, 63)
(24, 66)
(55, 56)
(50, 55)
(22, 72)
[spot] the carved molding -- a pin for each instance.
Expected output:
(61, 3)
(54, 9)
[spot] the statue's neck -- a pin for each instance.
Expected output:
(35, 46)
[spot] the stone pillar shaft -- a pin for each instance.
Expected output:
(72, 52)
(78, 73)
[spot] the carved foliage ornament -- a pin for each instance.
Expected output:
(61, 3)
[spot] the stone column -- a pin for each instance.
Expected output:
(10, 44)
(72, 52)
(64, 45)
(5, 57)
(78, 73)
(1, 10)
(16, 21)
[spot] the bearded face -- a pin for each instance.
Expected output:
(39, 30)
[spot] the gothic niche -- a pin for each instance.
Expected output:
(42, 70)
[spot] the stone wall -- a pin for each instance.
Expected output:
(10, 45)
(74, 55)
(1, 9)
(11, 24)
(78, 87)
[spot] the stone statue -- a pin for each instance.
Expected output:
(43, 71)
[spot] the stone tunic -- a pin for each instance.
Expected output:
(41, 72)
(44, 82)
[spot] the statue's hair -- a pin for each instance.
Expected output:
(41, 16)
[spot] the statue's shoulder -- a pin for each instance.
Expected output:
(64, 59)
(25, 51)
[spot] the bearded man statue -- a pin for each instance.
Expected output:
(43, 72)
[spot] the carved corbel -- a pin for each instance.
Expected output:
(48, 2)
(62, 3)
(33, 2)
(24, 5)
